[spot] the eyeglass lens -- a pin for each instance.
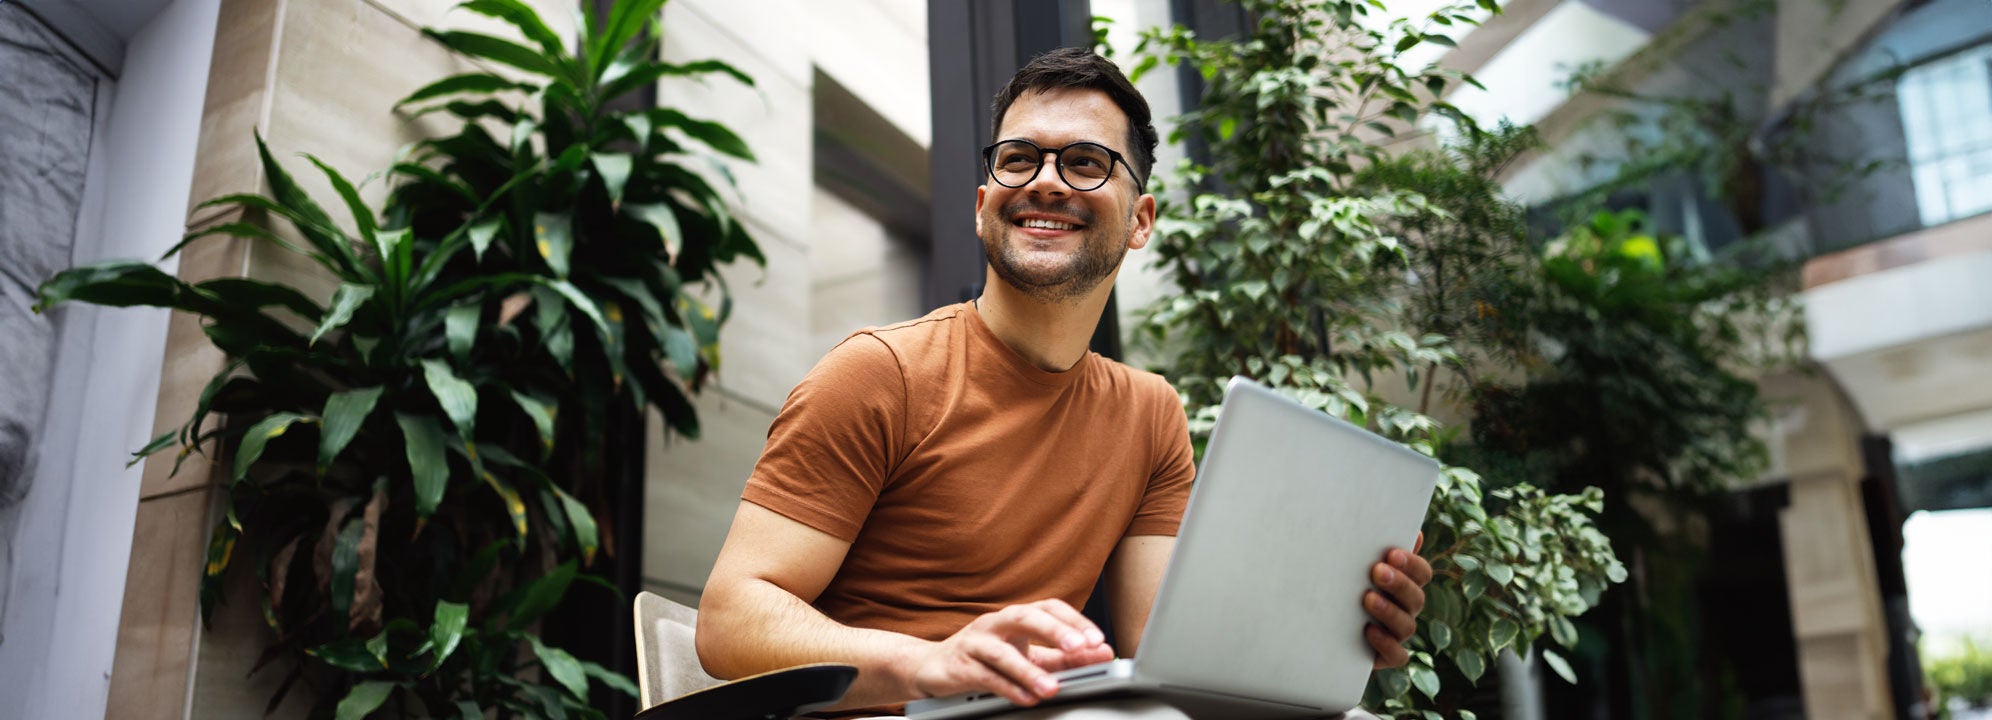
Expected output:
(1085, 166)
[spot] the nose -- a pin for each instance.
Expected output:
(1048, 181)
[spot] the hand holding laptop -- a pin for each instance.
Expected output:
(1396, 601)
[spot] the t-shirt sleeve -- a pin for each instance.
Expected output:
(1168, 493)
(836, 440)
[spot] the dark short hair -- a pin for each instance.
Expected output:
(1078, 67)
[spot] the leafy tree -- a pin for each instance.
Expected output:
(1291, 274)
(410, 474)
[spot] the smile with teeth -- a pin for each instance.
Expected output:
(1046, 224)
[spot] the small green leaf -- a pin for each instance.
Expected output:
(1423, 678)
(541, 411)
(423, 439)
(1501, 633)
(562, 666)
(1470, 663)
(460, 330)
(614, 171)
(1500, 572)
(682, 349)
(347, 654)
(553, 236)
(259, 435)
(1227, 128)
(345, 300)
(482, 233)
(458, 398)
(447, 630)
(515, 507)
(660, 216)
(345, 566)
(713, 134)
(363, 699)
(345, 412)
(1395, 681)
(1560, 665)
(157, 444)
(1440, 633)
(467, 710)
(1563, 631)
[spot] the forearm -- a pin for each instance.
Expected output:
(753, 626)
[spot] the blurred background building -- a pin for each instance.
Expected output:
(1871, 528)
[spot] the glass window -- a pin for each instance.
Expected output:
(1947, 121)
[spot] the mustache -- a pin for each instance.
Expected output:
(1024, 205)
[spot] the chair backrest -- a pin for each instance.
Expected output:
(667, 661)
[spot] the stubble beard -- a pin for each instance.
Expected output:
(1099, 254)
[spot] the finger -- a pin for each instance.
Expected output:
(1054, 659)
(1412, 564)
(1399, 587)
(1016, 669)
(1400, 623)
(1420, 545)
(1037, 624)
(1389, 652)
(981, 677)
(1077, 620)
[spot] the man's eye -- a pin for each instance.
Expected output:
(1016, 159)
(1083, 162)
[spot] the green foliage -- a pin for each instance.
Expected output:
(1293, 267)
(1962, 676)
(414, 463)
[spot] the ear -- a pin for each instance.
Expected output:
(1143, 223)
(981, 191)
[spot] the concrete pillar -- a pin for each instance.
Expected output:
(1835, 597)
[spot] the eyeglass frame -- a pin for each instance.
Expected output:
(1113, 156)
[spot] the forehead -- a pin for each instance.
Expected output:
(1065, 115)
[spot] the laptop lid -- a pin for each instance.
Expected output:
(1263, 595)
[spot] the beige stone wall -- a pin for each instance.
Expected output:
(317, 76)
(831, 269)
(1813, 35)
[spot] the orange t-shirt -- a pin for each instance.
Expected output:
(966, 478)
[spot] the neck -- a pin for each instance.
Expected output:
(1053, 336)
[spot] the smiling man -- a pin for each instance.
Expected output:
(937, 496)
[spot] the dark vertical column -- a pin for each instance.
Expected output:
(973, 49)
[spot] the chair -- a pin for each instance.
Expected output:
(673, 685)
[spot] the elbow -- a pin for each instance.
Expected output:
(713, 636)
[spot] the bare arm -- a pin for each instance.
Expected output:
(756, 616)
(1134, 572)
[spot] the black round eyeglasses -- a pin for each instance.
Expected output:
(1085, 166)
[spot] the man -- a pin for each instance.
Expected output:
(937, 496)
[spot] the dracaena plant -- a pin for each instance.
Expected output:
(609, 202)
(1291, 274)
(411, 466)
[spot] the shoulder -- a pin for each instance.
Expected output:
(1139, 388)
(916, 343)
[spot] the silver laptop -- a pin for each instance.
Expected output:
(1260, 614)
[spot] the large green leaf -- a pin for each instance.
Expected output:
(447, 630)
(259, 435)
(713, 134)
(582, 523)
(562, 666)
(428, 464)
(626, 19)
(363, 699)
(297, 206)
(541, 595)
(344, 413)
(581, 302)
(349, 654)
(458, 397)
(363, 217)
(553, 235)
(116, 284)
(498, 50)
(347, 299)
(515, 506)
(633, 76)
(480, 83)
(482, 233)
(246, 294)
(522, 17)
(610, 678)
